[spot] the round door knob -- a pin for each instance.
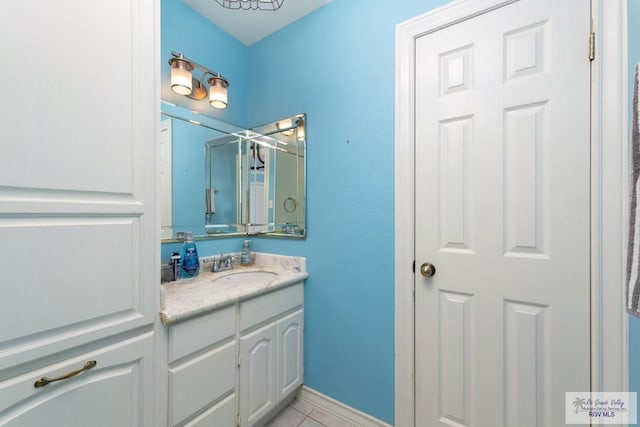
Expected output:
(427, 269)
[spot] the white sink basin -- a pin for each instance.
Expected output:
(246, 277)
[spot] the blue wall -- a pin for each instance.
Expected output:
(634, 57)
(337, 65)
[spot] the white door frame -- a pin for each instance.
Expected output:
(609, 181)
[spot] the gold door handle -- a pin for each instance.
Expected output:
(45, 380)
(427, 269)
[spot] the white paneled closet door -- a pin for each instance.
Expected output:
(78, 229)
(502, 211)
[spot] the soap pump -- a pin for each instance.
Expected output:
(245, 256)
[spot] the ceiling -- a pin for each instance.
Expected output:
(249, 26)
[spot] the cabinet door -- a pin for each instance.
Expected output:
(290, 353)
(258, 394)
(77, 210)
(108, 395)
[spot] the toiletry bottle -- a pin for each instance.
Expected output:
(174, 262)
(245, 256)
(190, 261)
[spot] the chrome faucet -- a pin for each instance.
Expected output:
(223, 262)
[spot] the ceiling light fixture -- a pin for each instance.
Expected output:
(251, 4)
(183, 82)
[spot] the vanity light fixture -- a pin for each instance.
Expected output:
(183, 83)
(218, 92)
(181, 75)
(251, 4)
(301, 134)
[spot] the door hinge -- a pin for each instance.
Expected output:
(592, 46)
(414, 266)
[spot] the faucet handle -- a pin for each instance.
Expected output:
(215, 265)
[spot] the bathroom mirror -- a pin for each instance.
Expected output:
(189, 142)
(220, 180)
(275, 165)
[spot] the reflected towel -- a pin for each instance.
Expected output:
(633, 249)
(209, 201)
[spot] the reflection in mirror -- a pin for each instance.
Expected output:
(276, 184)
(186, 140)
(222, 199)
(219, 180)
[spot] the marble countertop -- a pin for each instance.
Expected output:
(187, 298)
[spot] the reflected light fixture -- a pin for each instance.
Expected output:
(183, 82)
(301, 131)
(251, 4)
(287, 125)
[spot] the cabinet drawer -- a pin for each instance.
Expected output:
(259, 309)
(194, 334)
(199, 382)
(110, 394)
(222, 414)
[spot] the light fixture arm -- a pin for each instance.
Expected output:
(197, 66)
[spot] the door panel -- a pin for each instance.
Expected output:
(502, 210)
(258, 389)
(290, 353)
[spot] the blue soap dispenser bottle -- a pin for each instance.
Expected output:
(245, 255)
(190, 262)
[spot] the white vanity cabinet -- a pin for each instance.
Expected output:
(202, 370)
(271, 352)
(239, 364)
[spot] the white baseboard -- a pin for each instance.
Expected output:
(338, 409)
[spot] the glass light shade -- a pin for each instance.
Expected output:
(285, 124)
(181, 76)
(218, 92)
(301, 134)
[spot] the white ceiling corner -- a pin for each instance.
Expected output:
(249, 26)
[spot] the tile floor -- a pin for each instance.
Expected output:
(301, 414)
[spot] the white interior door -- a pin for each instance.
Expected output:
(502, 212)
